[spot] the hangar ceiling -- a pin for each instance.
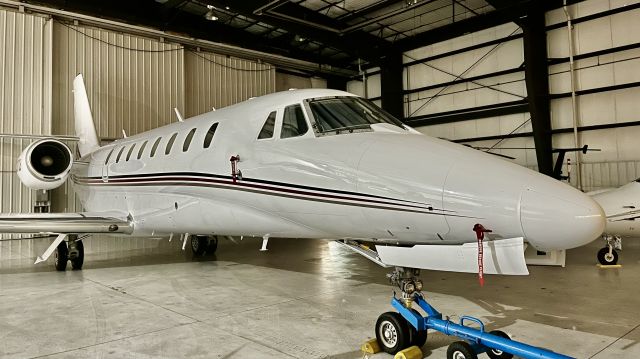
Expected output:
(345, 34)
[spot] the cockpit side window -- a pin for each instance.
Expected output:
(293, 122)
(268, 127)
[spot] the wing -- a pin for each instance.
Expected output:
(64, 223)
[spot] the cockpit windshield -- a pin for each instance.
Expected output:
(334, 114)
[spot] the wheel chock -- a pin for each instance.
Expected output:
(410, 353)
(371, 346)
(609, 266)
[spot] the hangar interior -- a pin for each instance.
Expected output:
(517, 78)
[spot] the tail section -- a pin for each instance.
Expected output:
(85, 129)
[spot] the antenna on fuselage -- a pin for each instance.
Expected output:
(178, 114)
(124, 134)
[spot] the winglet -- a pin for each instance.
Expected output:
(85, 128)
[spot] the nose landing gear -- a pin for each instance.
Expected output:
(608, 254)
(397, 331)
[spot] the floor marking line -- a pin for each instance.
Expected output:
(615, 341)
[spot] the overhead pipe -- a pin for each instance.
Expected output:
(574, 102)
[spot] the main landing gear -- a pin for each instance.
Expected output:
(397, 331)
(70, 250)
(608, 254)
(201, 245)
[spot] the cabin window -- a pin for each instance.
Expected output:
(187, 140)
(155, 147)
(144, 144)
(130, 151)
(293, 122)
(167, 150)
(109, 156)
(268, 127)
(209, 137)
(119, 154)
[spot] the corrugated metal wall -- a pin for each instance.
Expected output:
(25, 103)
(25, 86)
(133, 83)
(219, 81)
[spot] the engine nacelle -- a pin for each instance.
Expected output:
(45, 164)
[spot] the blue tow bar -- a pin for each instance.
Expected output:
(480, 340)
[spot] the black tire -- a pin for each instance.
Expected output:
(461, 350)
(77, 262)
(212, 246)
(417, 337)
(392, 332)
(198, 245)
(61, 256)
(499, 354)
(605, 259)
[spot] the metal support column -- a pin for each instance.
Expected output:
(537, 79)
(391, 84)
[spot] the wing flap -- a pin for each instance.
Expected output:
(504, 256)
(76, 223)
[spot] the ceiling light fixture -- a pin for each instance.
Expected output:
(210, 15)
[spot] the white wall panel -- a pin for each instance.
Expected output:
(598, 34)
(25, 92)
(133, 83)
(219, 81)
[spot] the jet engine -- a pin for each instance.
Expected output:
(45, 164)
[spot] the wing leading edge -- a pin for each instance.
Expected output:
(61, 223)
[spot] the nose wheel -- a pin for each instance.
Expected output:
(392, 332)
(608, 254)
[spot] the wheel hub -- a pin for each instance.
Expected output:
(608, 257)
(458, 355)
(388, 334)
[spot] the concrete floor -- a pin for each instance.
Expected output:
(301, 299)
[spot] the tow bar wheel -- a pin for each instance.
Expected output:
(392, 332)
(461, 350)
(499, 354)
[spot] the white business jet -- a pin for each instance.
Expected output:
(314, 163)
(622, 208)
(311, 163)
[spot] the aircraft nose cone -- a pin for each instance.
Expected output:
(560, 219)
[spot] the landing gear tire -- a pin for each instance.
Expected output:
(212, 245)
(417, 337)
(607, 259)
(78, 261)
(61, 256)
(392, 332)
(499, 354)
(461, 350)
(198, 245)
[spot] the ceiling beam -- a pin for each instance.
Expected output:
(312, 25)
(512, 11)
(150, 13)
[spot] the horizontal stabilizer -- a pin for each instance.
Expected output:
(504, 256)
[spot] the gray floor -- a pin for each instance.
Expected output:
(301, 299)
